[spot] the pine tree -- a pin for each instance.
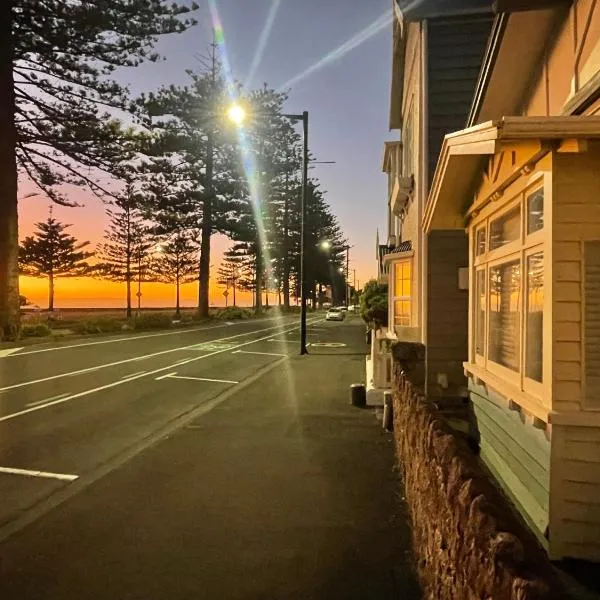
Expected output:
(56, 59)
(52, 253)
(189, 132)
(128, 241)
(177, 262)
(232, 270)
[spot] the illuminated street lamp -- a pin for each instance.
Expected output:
(237, 114)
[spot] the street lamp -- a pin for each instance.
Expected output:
(326, 245)
(237, 115)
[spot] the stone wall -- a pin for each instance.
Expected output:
(468, 542)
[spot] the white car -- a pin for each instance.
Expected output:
(335, 314)
(352, 308)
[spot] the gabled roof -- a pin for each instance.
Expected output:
(464, 155)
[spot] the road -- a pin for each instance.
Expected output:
(164, 464)
(66, 410)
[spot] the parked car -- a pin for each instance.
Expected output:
(352, 308)
(335, 314)
(343, 309)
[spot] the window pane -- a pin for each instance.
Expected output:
(480, 241)
(505, 290)
(398, 279)
(480, 313)
(505, 229)
(402, 278)
(534, 347)
(402, 313)
(407, 277)
(535, 211)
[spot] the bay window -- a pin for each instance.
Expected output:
(507, 299)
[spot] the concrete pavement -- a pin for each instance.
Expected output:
(216, 468)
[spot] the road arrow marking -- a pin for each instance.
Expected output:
(9, 351)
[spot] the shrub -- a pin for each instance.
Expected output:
(39, 330)
(374, 304)
(233, 313)
(152, 321)
(100, 325)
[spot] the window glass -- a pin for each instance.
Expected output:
(402, 313)
(402, 278)
(506, 228)
(534, 347)
(505, 289)
(480, 241)
(535, 211)
(480, 313)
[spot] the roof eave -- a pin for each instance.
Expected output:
(464, 152)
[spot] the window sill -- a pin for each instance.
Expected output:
(513, 394)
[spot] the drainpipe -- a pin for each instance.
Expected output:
(424, 187)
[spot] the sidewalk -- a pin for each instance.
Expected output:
(271, 495)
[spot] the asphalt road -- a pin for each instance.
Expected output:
(68, 409)
(179, 465)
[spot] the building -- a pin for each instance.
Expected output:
(494, 240)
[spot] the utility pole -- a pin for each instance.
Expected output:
(303, 349)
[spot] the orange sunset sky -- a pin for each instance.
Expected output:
(88, 223)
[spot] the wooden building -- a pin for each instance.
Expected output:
(507, 184)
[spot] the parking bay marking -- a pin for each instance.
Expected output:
(174, 375)
(259, 353)
(42, 474)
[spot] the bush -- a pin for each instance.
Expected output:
(39, 330)
(100, 325)
(152, 321)
(374, 304)
(233, 313)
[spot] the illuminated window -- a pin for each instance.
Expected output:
(507, 299)
(402, 293)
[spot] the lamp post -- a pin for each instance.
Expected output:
(237, 114)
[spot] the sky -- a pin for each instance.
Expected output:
(334, 56)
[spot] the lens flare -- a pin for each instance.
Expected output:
(355, 41)
(262, 41)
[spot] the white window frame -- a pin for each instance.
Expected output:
(520, 250)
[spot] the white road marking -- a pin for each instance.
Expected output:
(43, 474)
(174, 376)
(133, 374)
(9, 351)
(122, 381)
(165, 376)
(126, 360)
(129, 338)
(48, 399)
(261, 353)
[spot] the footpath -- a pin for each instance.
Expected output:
(282, 491)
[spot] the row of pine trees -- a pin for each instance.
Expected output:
(170, 169)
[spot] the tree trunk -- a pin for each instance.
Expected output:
(139, 292)
(286, 246)
(128, 261)
(51, 292)
(233, 286)
(177, 309)
(259, 276)
(204, 275)
(9, 235)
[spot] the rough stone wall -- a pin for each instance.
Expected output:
(468, 542)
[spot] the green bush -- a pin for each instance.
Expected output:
(233, 313)
(374, 304)
(39, 330)
(152, 321)
(100, 325)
